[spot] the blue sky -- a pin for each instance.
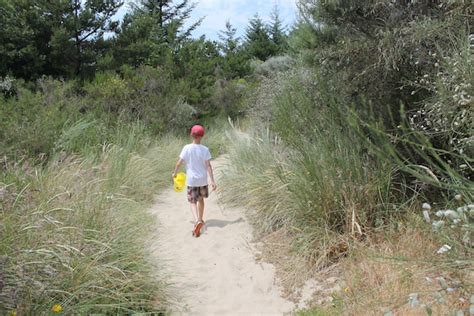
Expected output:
(238, 12)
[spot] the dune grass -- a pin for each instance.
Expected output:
(75, 232)
(342, 193)
(309, 173)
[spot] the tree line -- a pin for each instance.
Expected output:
(76, 39)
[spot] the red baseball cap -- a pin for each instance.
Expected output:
(197, 130)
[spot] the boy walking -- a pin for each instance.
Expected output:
(197, 158)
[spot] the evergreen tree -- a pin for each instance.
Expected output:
(235, 62)
(277, 31)
(170, 18)
(195, 66)
(258, 43)
(59, 38)
(86, 27)
(153, 32)
(229, 43)
(18, 52)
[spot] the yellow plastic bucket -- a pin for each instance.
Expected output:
(179, 182)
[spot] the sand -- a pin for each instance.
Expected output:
(215, 274)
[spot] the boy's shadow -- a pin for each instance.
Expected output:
(222, 223)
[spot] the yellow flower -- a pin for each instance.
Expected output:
(346, 290)
(57, 308)
(13, 312)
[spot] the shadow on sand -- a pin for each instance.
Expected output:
(221, 223)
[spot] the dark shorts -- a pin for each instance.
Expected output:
(196, 193)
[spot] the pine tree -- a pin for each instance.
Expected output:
(170, 18)
(277, 31)
(257, 39)
(59, 38)
(153, 32)
(235, 61)
(228, 42)
(88, 23)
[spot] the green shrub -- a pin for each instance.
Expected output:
(446, 118)
(227, 97)
(30, 124)
(369, 50)
(423, 62)
(274, 65)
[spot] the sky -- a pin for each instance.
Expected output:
(238, 12)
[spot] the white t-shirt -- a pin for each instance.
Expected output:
(195, 156)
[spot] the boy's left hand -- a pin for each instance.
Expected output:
(213, 186)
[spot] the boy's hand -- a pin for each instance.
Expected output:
(173, 175)
(213, 186)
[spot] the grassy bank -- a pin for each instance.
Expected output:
(392, 264)
(74, 232)
(328, 188)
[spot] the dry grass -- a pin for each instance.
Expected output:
(382, 276)
(379, 276)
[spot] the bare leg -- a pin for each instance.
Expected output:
(194, 210)
(200, 205)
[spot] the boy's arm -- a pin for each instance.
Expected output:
(176, 168)
(211, 175)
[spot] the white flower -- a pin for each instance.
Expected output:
(440, 213)
(451, 214)
(426, 206)
(426, 215)
(462, 209)
(443, 249)
(458, 197)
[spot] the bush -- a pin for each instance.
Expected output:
(274, 65)
(227, 97)
(446, 117)
(342, 36)
(424, 63)
(30, 124)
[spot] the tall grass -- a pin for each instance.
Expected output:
(74, 233)
(308, 173)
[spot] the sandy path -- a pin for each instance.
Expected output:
(215, 274)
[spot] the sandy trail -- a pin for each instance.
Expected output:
(215, 274)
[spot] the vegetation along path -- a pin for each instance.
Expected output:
(217, 272)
